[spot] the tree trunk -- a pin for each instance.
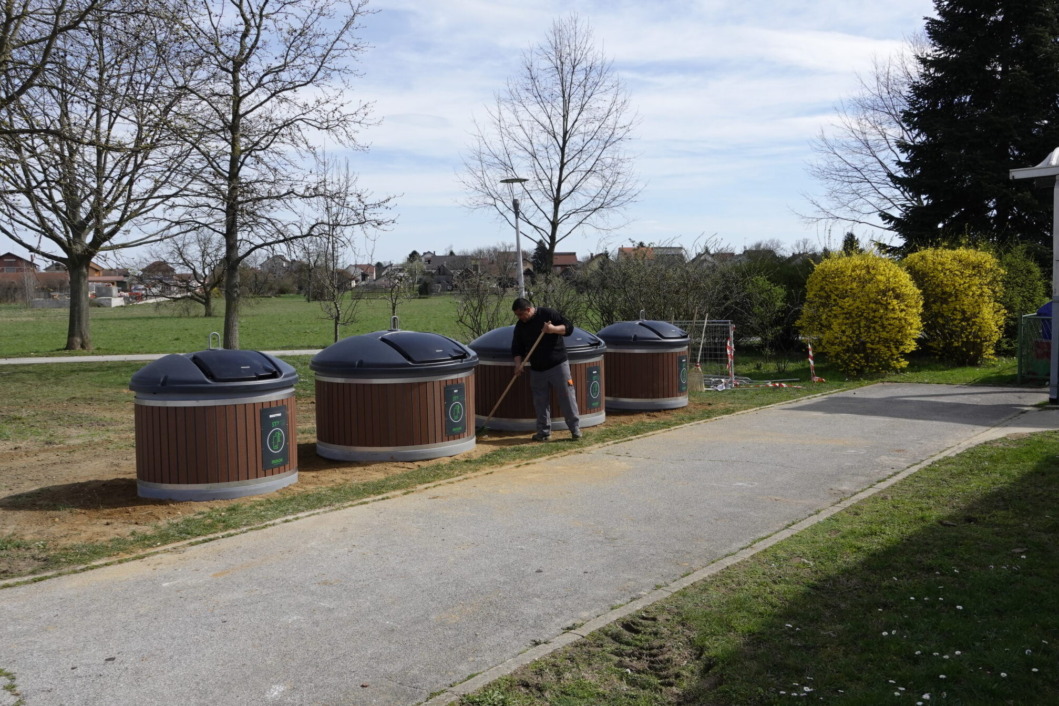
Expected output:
(231, 309)
(78, 335)
(232, 202)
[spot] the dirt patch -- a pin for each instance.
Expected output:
(85, 491)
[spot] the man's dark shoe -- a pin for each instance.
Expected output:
(576, 435)
(542, 437)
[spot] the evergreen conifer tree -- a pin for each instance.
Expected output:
(986, 100)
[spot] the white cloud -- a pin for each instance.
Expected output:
(729, 95)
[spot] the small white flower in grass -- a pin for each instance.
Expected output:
(959, 607)
(958, 653)
(919, 652)
(897, 693)
(1034, 669)
(1004, 675)
(944, 656)
(1029, 652)
(941, 676)
(925, 697)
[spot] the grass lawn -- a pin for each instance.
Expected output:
(279, 323)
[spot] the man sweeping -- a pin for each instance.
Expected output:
(548, 364)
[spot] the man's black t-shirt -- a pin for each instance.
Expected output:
(551, 350)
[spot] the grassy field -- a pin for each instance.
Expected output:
(280, 323)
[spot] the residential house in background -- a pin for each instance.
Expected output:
(654, 252)
(277, 265)
(11, 263)
(564, 263)
(445, 269)
(360, 274)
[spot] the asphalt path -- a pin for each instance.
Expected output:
(395, 601)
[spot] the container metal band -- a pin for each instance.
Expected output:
(215, 491)
(511, 363)
(393, 380)
(647, 403)
(618, 348)
(175, 401)
(420, 452)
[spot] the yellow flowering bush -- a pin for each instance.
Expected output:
(863, 311)
(962, 289)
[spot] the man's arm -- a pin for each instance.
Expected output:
(560, 325)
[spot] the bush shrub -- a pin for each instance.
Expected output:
(1025, 289)
(863, 312)
(962, 314)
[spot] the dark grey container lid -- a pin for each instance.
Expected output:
(645, 334)
(214, 372)
(394, 354)
(496, 344)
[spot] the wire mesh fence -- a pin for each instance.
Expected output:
(712, 347)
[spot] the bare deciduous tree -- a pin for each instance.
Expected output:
(342, 205)
(90, 153)
(199, 254)
(563, 124)
(857, 157)
(402, 282)
(29, 33)
(277, 75)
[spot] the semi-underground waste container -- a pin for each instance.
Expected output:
(215, 424)
(394, 395)
(647, 365)
(515, 412)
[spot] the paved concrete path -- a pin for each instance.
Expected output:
(119, 358)
(392, 601)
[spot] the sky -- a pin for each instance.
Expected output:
(729, 96)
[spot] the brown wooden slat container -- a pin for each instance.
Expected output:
(647, 365)
(515, 412)
(215, 424)
(394, 395)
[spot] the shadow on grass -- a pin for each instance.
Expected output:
(87, 495)
(852, 611)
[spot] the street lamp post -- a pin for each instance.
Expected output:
(1050, 168)
(518, 237)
